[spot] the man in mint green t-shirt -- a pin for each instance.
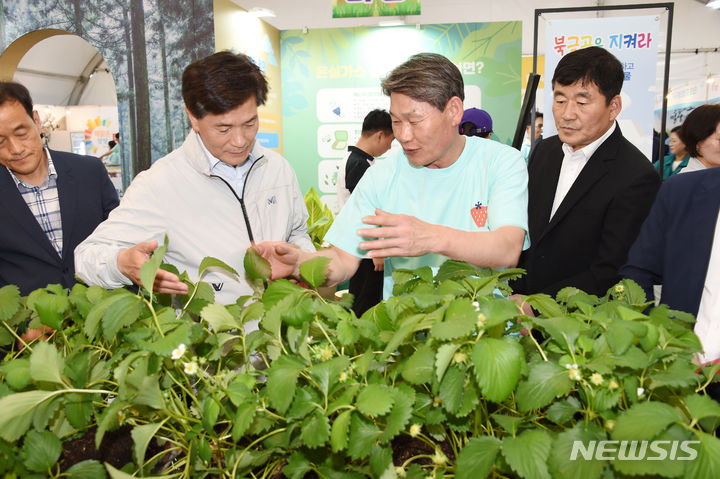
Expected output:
(445, 196)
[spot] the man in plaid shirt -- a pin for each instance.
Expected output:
(49, 200)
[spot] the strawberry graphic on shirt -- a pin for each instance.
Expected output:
(479, 214)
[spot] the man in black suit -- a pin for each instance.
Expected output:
(589, 188)
(49, 200)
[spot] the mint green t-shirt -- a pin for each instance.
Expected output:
(486, 188)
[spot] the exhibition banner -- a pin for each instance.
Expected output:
(331, 80)
(633, 40)
(374, 8)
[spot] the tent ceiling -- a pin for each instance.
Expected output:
(66, 70)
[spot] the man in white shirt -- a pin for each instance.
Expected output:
(214, 196)
(589, 188)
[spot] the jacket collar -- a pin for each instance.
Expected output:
(200, 159)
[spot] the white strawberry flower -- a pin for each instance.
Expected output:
(574, 373)
(481, 320)
(178, 352)
(596, 379)
(613, 385)
(439, 458)
(414, 430)
(619, 288)
(476, 305)
(191, 368)
(640, 392)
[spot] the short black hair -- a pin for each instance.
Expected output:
(377, 120)
(221, 82)
(13, 91)
(538, 114)
(699, 124)
(591, 65)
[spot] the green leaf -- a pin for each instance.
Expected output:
(88, 469)
(545, 305)
(282, 380)
(645, 420)
(400, 414)
(148, 271)
(277, 290)
(363, 436)
(375, 400)
(707, 463)
(142, 435)
(497, 366)
(546, 381)
(347, 333)
(315, 430)
(418, 368)
(444, 355)
(560, 462)
(297, 466)
(119, 314)
(314, 271)
(92, 321)
(256, 267)
(17, 373)
(41, 450)
(476, 459)
(564, 330)
(79, 409)
(219, 318)
(680, 374)
(561, 412)
(701, 406)
(211, 411)
(453, 269)
(509, 423)
(339, 433)
(18, 411)
(619, 337)
(46, 364)
(457, 327)
(9, 301)
(51, 308)
(166, 345)
(244, 418)
(527, 454)
(210, 262)
(452, 388)
(302, 310)
(498, 311)
(118, 474)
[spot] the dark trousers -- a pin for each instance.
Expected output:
(367, 287)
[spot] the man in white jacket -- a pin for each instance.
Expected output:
(214, 196)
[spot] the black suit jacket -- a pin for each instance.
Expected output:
(675, 242)
(27, 258)
(587, 240)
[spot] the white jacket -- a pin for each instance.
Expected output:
(201, 216)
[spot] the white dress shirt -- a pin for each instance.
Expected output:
(572, 164)
(234, 175)
(707, 325)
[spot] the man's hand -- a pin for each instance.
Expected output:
(400, 235)
(130, 261)
(520, 301)
(379, 264)
(284, 258)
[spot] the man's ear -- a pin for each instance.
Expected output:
(455, 109)
(193, 120)
(36, 119)
(615, 107)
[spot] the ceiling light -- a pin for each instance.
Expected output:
(713, 4)
(261, 12)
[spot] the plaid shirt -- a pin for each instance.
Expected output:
(44, 204)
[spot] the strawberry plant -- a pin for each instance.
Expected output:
(445, 378)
